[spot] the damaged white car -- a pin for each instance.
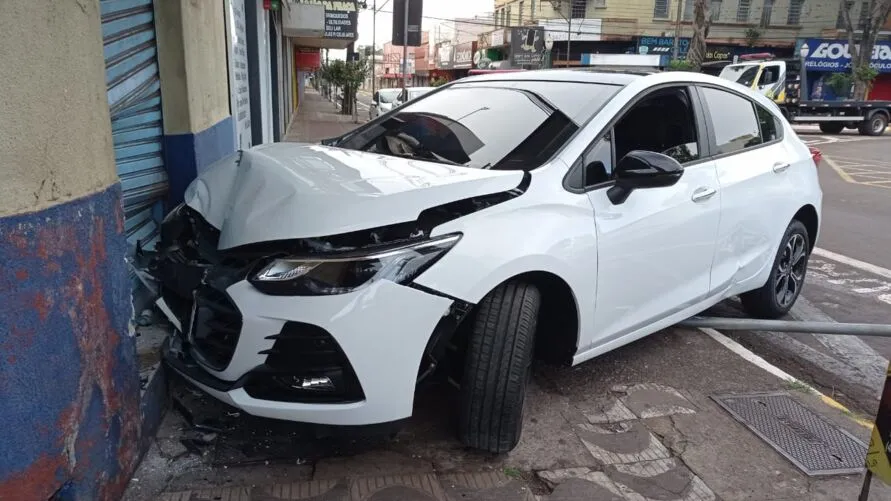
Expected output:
(549, 214)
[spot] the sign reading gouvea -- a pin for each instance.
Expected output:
(834, 55)
(341, 18)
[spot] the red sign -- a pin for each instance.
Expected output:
(308, 59)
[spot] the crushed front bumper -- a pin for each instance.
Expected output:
(370, 343)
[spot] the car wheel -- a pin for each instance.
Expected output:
(832, 127)
(498, 367)
(874, 126)
(781, 291)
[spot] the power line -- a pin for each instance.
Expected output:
(655, 26)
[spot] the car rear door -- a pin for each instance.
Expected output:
(655, 249)
(752, 163)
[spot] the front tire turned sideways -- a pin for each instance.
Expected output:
(497, 368)
(783, 287)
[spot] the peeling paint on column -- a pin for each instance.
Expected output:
(69, 373)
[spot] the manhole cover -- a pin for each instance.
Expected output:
(812, 443)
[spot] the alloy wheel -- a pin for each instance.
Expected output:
(790, 270)
(878, 125)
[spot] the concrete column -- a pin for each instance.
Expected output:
(69, 390)
(198, 127)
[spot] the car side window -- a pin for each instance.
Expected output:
(771, 128)
(597, 162)
(735, 126)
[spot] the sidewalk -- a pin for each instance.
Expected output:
(317, 119)
(638, 424)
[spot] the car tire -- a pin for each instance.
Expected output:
(832, 127)
(789, 269)
(874, 125)
(497, 368)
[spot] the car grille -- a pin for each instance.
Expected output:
(304, 351)
(215, 328)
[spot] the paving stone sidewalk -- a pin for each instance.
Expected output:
(317, 119)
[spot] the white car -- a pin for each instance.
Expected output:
(411, 93)
(544, 214)
(383, 101)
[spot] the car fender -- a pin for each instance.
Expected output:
(518, 237)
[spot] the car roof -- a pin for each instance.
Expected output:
(588, 75)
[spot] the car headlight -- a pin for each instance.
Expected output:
(342, 273)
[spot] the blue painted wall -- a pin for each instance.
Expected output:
(186, 154)
(69, 382)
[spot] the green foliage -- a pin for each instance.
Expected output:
(345, 73)
(864, 73)
(840, 83)
(438, 81)
(752, 36)
(679, 65)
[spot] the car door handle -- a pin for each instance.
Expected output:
(780, 167)
(702, 194)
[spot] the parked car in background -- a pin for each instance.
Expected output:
(410, 93)
(554, 214)
(383, 101)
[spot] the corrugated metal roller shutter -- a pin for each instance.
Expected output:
(134, 98)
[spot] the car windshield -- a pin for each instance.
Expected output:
(497, 125)
(742, 74)
(388, 96)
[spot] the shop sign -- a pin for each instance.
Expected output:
(583, 30)
(239, 92)
(445, 57)
(497, 38)
(341, 18)
(307, 59)
(834, 55)
(527, 46)
(463, 58)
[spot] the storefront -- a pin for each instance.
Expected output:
(664, 47)
(463, 59)
(823, 57)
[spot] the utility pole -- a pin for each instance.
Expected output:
(405, 48)
(677, 30)
(373, 45)
(569, 35)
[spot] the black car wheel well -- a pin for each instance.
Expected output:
(808, 217)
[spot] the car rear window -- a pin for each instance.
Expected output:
(498, 125)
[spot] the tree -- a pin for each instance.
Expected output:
(701, 24)
(347, 75)
(861, 55)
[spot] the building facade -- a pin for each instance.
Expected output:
(109, 114)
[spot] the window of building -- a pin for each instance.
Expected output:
(715, 9)
(520, 13)
(864, 16)
(660, 9)
(840, 21)
(578, 9)
(766, 13)
(742, 11)
(735, 125)
(688, 10)
(503, 18)
(794, 17)
(510, 21)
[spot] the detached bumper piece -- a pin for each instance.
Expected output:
(305, 365)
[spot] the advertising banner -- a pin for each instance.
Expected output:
(834, 56)
(463, 55)
(527, 46)
(341, 18)
(445, 57)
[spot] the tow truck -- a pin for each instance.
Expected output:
(783, 81)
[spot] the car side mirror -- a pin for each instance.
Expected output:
(641, 169)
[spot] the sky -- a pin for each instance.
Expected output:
(434, 11)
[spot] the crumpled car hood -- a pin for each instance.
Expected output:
(282, 191)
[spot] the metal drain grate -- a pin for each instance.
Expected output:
(805, 438)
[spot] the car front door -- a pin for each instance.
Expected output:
(751, 161)
(655, 249)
